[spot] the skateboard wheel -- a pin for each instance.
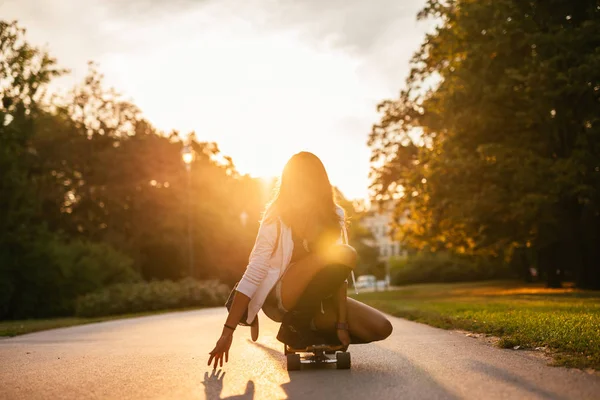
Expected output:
(343, 360)
(293, 362)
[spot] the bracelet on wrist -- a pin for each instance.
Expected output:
(341, 326)
(229, 327)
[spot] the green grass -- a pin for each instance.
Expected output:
(564, 321)
(21, 327)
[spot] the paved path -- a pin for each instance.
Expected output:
(164, 357)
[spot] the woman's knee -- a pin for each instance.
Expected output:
(382, 329)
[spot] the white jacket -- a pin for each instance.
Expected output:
(263, 270)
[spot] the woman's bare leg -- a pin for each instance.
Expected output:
(364, 322)
(300, 274)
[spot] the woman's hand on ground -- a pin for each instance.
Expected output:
(221, 350)
(344, 337)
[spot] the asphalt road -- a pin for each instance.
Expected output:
(164, 357)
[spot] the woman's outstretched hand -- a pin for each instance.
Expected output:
(221, 349)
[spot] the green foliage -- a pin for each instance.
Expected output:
(444, 267)
(495, 142)
(151, 296)
(563, 321)
(24, 73)
(88, 266)
(50, 274)
(41, 273)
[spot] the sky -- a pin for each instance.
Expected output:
(262, 78)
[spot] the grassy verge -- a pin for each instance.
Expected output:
(21, 327)
(566, 322)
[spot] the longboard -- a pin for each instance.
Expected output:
(317, 354)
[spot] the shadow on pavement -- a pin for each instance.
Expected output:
(517, 381)
(213, 386)
(366, 379)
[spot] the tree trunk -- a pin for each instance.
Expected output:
(548, 263)
(590, 250)
(521, 265)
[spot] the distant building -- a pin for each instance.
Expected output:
(378, 221)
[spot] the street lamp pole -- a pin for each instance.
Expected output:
(187, 155)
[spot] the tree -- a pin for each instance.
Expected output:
(41, 273)
(485, 146)
(24, 71)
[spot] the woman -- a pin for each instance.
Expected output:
(298, 269)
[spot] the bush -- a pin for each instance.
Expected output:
(49, 275)
(444, 267)
(151, 296)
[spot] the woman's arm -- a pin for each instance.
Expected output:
(221, 350)
(258, 265)
(256, 271)
(238, 307)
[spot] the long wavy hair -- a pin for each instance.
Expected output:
(305, 199)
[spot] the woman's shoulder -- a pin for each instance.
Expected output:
(271, 223)
(270, 216)
(269, 228)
